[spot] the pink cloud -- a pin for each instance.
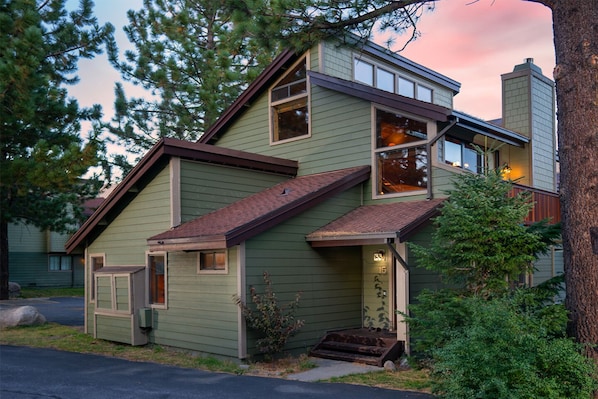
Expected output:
(474, 43)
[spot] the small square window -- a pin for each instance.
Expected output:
(212, 262)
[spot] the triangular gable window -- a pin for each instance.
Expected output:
(289, 105)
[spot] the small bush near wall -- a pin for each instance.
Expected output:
(276, 323)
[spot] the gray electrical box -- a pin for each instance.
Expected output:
(145, 317)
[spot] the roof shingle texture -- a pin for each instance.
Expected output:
(378, 219)
(262, 206)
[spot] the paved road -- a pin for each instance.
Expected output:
(28, 373)
(67, 311)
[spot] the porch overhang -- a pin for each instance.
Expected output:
(187, 244)
(376, 224)
(477, 126)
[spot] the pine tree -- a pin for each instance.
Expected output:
(481, 241)
(43, 155)
(192, 62)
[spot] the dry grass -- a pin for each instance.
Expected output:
(72, 339)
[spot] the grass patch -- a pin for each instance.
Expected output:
(71, 339)
(28, 292)
(410, 380)
(65, 338)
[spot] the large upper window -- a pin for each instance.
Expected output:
(401, 155)
(290, 115)
(373, 75)
(460, 154)
(157, 279)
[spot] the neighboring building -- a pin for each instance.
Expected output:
(37, 258)
(320, 173)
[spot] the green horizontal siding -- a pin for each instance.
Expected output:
(111, 328)
(205, 188)
(420, 278)
(340, 133)
(104, 292)
(122, 293)
(329, 279)
(124, 241)
(201, 315)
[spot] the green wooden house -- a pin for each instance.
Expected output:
(320, 174)
(37, 257)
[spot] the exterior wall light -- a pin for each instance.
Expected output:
(379, 256)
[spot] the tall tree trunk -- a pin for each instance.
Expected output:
(576, 76)
(3, 260)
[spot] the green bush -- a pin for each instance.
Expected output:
(504, 352)
(276, 323)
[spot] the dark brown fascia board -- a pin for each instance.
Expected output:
(183, 149)
(414, 226)
(421, 108)
(225, 156)
(260, 84)
(266, 222)
(261, 224)
(485, 128)
(124, 187)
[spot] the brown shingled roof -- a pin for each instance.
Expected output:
(375, 222)
(250, 216)
(155, 159)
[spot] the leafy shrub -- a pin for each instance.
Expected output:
(504, 352)
(275, 322)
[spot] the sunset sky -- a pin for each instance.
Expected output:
(468, 41)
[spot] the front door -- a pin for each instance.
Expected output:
(378, 292)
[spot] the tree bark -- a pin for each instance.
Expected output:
(575, 26)
(3, 260)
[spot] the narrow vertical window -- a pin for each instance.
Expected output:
(290, 113)
(95, 263)
(157, 279)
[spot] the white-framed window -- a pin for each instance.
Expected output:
(96, 261)
(60, 263)
(157, 278)
(370, 73)
(289, 105)
(212, 262)
(400, 153)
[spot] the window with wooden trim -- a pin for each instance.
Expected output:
(289, 105)
(400, 153)
(213, 262)
(156, 264)
(96, 262)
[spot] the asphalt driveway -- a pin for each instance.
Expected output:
(67, 311)
(44, 373)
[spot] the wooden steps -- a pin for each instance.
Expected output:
(359, 345)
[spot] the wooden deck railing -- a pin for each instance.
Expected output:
(546, 204)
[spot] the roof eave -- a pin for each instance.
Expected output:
(255, 89)
(382, 97)
(242, 233)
